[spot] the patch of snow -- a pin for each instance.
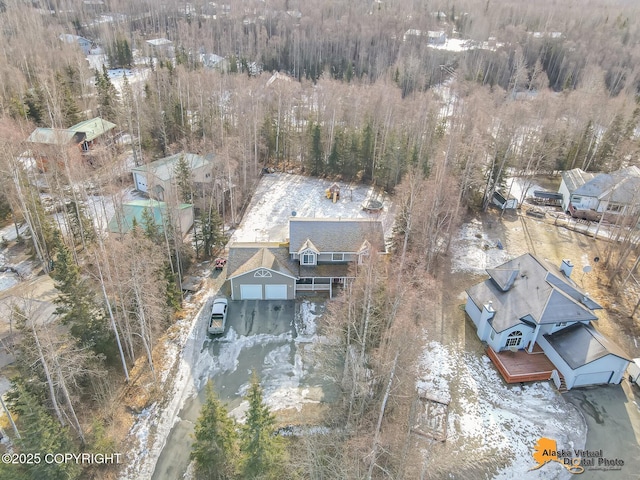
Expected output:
(486, 417)
(473, 250)
(279, 195)
(8, 280)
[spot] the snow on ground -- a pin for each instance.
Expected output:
(280, 194)
(282, 379)
(491, 423)
(521, 188)
(474, 250)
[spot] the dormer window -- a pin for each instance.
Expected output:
(308, 257)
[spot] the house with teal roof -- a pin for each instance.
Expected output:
(132, 213)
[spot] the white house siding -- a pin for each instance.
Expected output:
(580, 202)
(566, 195)
(186, 219)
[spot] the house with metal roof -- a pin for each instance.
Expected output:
(82, 137)
(158, 178)
(132, 213)
(594, 196)
(322, 254)
(528, 304)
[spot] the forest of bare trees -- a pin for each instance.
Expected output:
(332, 89)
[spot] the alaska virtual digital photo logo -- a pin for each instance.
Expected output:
(573, 459)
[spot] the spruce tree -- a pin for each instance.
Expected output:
(40, 434)
(215, 447)
(263, 453)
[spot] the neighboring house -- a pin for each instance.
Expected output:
(411, 33)
(321, 254)
(158, 178)
(590, 196)
(132, 213)
(214, 62)
(80, 138)
(85, 44)
(161, 47)
(436, 37)
(525, 302)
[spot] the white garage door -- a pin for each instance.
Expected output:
(592, 378)
(141, 183)
(250, 292)
(275, 292)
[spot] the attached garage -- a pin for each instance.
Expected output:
(250, 292)
(584, 356)
(256, 274)
(275, 292)
(596, 378)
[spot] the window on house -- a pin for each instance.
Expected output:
(575, 199)
(514, 339)
(614, 208)
(207, 175)
(561, 324)
(493, 334)
(337, 257)
(308, 258)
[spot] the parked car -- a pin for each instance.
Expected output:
(220, 263)
(634, 371)
(218, 318)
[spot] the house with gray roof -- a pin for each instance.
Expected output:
(608, 196)
(158, 178)
(527, 302)
(322, 254)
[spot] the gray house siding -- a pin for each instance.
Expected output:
(473, 311)
(253, 278)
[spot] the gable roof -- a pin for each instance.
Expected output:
(335, 234)
(581, 344)
(244, 258)
(164, 168)
(575, 178)
(122, 222)
(537, 292)
(54, 136)
(93, 128)
(621, 186)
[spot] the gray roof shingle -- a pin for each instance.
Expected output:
(335, 235)
(581, 344)
(539, 292)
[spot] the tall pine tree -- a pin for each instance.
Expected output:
(263, 454)
(215, 449)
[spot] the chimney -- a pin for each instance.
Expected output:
(487, 312)
(566, 267)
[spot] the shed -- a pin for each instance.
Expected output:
(333, 192)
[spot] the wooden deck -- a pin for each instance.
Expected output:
(520, 366)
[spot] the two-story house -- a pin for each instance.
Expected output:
(322, 254)
(528, 304)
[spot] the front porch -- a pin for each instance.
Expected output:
(521, 366)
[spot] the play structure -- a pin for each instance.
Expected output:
(333, 192)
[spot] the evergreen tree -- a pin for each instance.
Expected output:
(316, 151)
(149, 226)
(182, 172)
(81, 225)
(209, 234)
(78, 307)
(107, 96)
(215, 448)
(263, 453)
(40, 434)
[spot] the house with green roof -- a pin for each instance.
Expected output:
(158, 179)
(131, 213)
(78, 139)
